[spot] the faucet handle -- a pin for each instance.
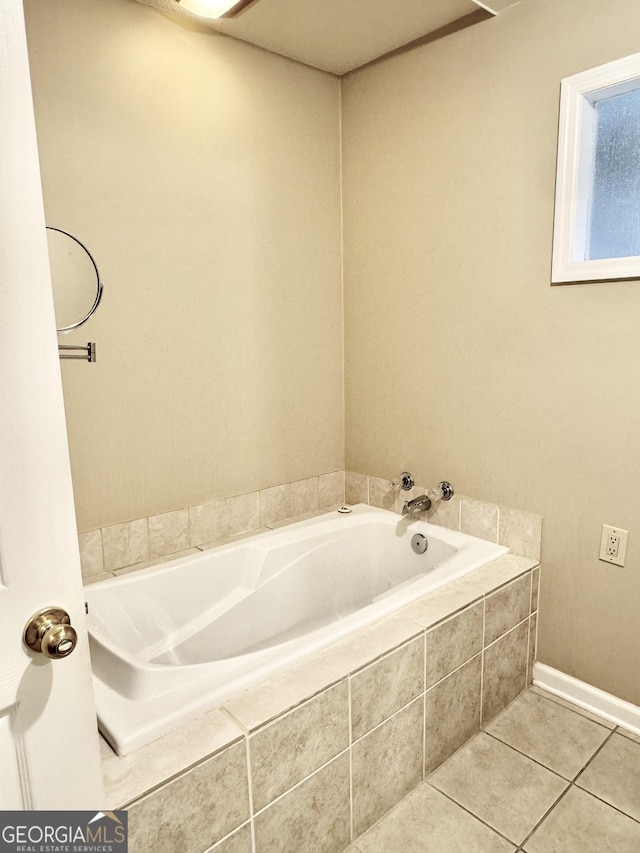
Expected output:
(446, 489)
(405, 482)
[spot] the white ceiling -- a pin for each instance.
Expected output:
(340, 35)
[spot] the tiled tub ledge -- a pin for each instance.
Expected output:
(309, 759)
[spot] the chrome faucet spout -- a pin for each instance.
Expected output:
(419, 504)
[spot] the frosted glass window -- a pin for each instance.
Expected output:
(596, 231)
(614, 211)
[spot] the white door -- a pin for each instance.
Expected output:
(49, 755)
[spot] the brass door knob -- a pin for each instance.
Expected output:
(49, 631)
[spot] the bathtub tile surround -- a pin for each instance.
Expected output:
(282, 692)
(454, 642)
(243, 513)
(533, 645)
(382, 493)
(331, 489)
(195, 810)
(91, 555)
(535, 589)
(125, 544)
(304, 496)
(456, 596)
(507, 607)
(356, 488)
(446, 513)
(520, 531)
(297, 744)
(155, 561)
(154, 764)
(313, 818)
(453, 713)
(275, 504)
(134, 543)
(478, 518)
(168, 532)
(238, 842)
(346, 749)
(386, 764)
(373, 642)
(381, 689)
(208, 522)
(228, 540)
(503, 662)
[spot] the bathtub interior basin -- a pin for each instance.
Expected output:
(172, 641)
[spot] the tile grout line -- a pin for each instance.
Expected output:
(188, 509)
(148, 538)
(302, 781)
(546, 815)
(389, 718)
(457, 669)
(331, 685)
(221, 841)
(597, 752)
(351, 839)
(554, 804)
(508, 631)
(469, 812)
(526, 668)
(158, 786)
(244, 533)
(484, 619)
(526, 755)
(606, 803)
(573, 784)
(250, 788)
(424, 709)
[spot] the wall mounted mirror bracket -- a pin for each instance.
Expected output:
(87, 353)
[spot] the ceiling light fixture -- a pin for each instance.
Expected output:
(215, 8)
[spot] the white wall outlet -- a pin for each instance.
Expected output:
(613, 545)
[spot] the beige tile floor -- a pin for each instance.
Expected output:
(542, 777)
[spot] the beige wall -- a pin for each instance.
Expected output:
(462, 362)
(204, 176)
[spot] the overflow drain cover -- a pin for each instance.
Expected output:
(419, 543)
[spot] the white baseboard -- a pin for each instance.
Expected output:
(589, 698)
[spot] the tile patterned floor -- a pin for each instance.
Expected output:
(542, 777)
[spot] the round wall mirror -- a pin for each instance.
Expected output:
(77, 289)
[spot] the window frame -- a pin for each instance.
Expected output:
(578, 95)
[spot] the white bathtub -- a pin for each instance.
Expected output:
(174, 641)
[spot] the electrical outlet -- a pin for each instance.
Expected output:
(613, 545)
